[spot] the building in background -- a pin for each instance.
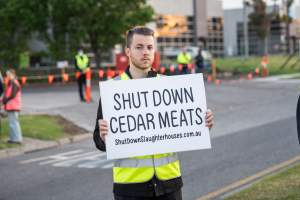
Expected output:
(234, 40)
(191, 23)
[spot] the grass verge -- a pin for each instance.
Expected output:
(240, 65)
(283, 185)
(43, 127)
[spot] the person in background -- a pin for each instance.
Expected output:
(184, 58)
(12, 105)
(81, 65)
(199, 62)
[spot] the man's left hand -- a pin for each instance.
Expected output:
(209, 119)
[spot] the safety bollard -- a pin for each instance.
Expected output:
(88, 86)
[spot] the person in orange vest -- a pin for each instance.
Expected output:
(1, 84)
(12, 105)
(155, 177)
(81, 65)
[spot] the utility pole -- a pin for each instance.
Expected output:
(245, 16)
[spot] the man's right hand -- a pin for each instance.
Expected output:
(103, 129)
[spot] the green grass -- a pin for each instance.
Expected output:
(241, 65)
(41, 127)
(282, 186)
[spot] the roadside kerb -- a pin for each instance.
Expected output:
(31, 145)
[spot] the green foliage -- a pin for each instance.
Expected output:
(284, 185)
(260, 20)
(239, 65)
(66, 25)
(41, 127)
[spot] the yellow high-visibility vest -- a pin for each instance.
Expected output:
(141, 169)
(82, 62)
(184, 58)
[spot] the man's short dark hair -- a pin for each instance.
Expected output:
(140, 30)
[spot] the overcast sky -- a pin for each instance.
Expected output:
(228, 4)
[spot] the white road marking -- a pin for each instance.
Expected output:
(91, 159)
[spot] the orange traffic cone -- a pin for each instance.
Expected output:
(23, 80)
(101, 73)
(172, 69)
(88, 86)
(50, 79)
(65, 77)
(250, 76)
(209, 78)
(162, 70)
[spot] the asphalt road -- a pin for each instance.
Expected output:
(255, 129)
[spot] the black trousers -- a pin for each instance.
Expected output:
(81, 86)
(177, 195)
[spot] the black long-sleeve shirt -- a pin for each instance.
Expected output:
(298, 118)
(154, 187)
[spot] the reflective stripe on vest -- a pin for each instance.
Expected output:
(141, 169)
(82, 62)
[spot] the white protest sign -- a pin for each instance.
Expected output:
(154, 115)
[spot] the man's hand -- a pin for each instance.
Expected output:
(209, 119)
(103, 129)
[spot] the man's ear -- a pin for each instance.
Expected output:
(127, 52)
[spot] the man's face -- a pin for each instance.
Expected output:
(141, 51)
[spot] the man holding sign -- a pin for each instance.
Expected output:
(144, 176)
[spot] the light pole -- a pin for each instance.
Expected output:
(246, 44)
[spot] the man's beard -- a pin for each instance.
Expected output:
(139, 66)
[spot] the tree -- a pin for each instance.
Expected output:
(102, 23)
(16, 25)
(66, 25)
(261, 22)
